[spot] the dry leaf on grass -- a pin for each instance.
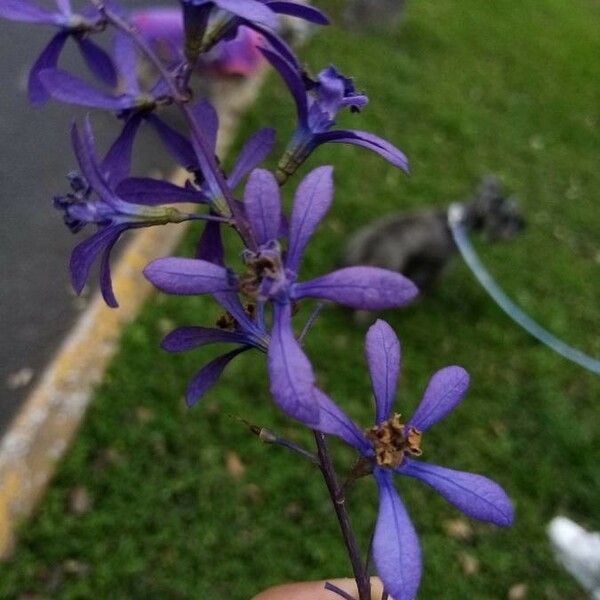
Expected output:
(517, 591)
(80, 501)
(459, 529)
(234, 465)
(469, 564)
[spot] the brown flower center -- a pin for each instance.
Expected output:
(391, 439)
(257, 269)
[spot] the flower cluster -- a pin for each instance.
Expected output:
(258, 290)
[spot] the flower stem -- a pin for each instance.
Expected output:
(330, 587)
(339, 504)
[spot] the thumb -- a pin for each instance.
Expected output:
(315, 590)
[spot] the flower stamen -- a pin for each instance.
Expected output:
(264, 275)
(391, 439)
(228, 322)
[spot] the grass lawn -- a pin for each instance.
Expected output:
(465, 89)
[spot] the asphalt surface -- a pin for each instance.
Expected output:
(37, 307)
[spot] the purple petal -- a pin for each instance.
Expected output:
(302, 11)
(367, 140)
(292, 381)
(250, 10)
(210, 244)
(362, 288)
(27, 12)
(106, 286)
(262, 205)
(97, 60)
(70, 89)
(208, 375)
(382, 349)
(187, 276)
(154, 192)
(311, 202)
(255, 150)
(178, 146)
(208, 121)
(290, 75)
(476, 496)
(85, 253)
(64, 6)
(444, 391)
(187, 338)
(126, 61)
(334, 421)
(117, 162)
(160, 25)
(88, 161)
(237, 55)
(396, 549)
(48, 59)
(278, 45)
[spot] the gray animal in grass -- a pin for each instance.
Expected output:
(419, 244)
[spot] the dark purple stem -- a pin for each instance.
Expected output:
(185, 75)
(369, 553)
(182, 100)
(330, 587)
(339, 504)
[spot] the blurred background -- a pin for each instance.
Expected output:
(157, 501)
(37, 307)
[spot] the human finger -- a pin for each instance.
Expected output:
(315, 590)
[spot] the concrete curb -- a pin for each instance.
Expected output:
(49, 418)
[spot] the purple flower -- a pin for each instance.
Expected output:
(271, 275)
(93, 202)
(317, 104)
(77, 26)
(163, 29)
(207, 22)
(389, 448)
(132, 105)
(243, 326)
(68, 88)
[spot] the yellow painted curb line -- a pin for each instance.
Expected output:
(42, 431)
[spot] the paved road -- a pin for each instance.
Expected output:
(36, 306)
